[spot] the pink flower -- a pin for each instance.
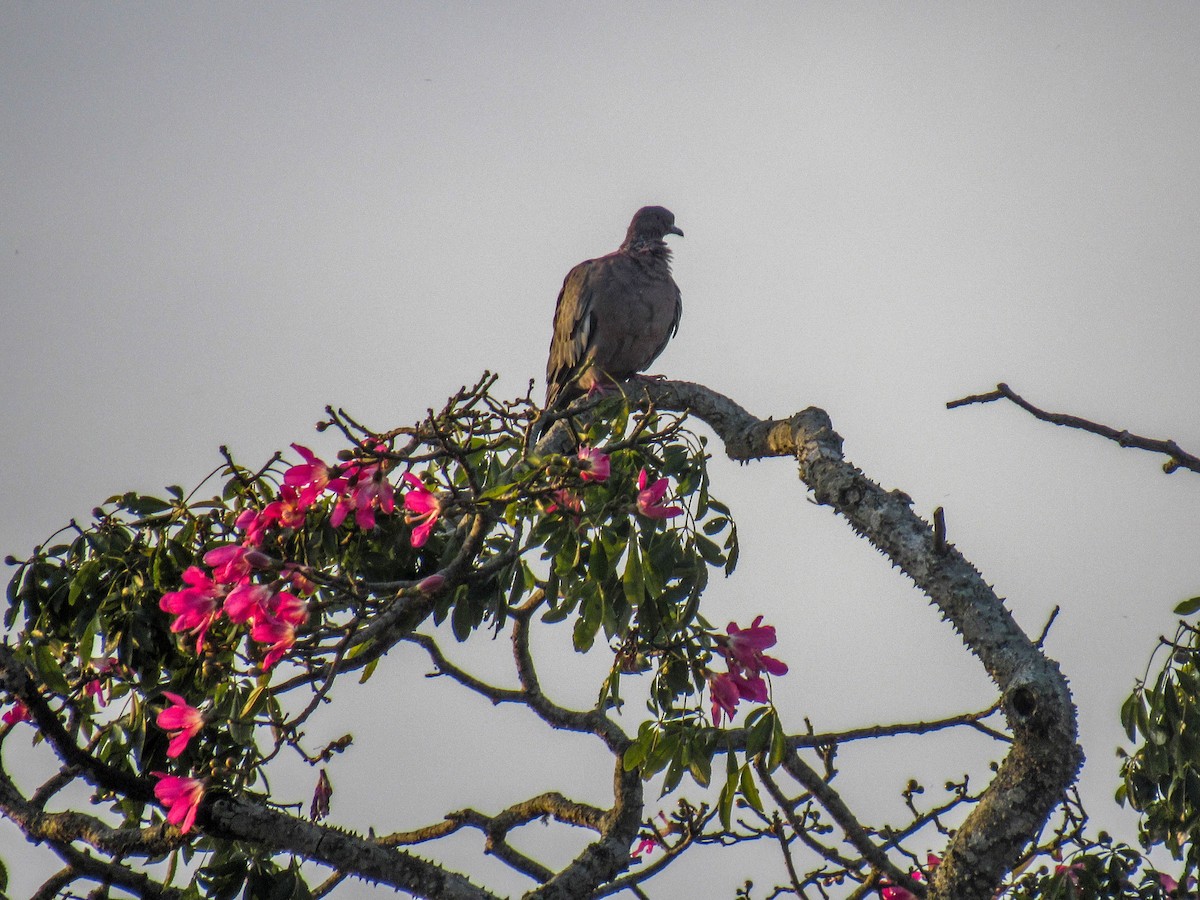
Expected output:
(196, 606)
(1172, 887)
(233, 562)
(279, 634)
(646, 845)
(247, 602)
(649, 498)
(252, 526)
(596, 465)
(367, 490)
(567, 501)
(181, 797)
(655, 838)
(94, 687)
(374, 492)
(312, 477)
(424, 509)
(1070, 871)
(181, 721)
(287, 511)
(893, 892)
(341, 509)
(288, 608)
(725, 696)
(744, 648)
(19, 713)
(298, 578)
(751, 687)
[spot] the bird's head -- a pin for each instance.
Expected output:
(650, 225)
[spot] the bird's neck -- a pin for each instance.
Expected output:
(647, 249)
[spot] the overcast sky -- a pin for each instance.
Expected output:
(218, 218)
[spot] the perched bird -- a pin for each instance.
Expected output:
(615, 314)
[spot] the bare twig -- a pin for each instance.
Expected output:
(1177, 458)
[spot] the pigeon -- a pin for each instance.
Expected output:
(615, 314)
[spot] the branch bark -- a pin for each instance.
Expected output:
(1044, 756)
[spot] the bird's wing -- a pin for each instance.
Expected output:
(574, 329)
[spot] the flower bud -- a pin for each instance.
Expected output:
(431, 585)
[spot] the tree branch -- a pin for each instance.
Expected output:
(1177, 458)
(1044, 756)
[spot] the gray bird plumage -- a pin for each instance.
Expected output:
(615, 314)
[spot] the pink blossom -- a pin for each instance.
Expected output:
(744, 647)
(252, 527)
(94, 688)
(312, 477)
(646, 845)
(279, 634)
(655, 838)
(287, 511)
(247, 602)
(181, 721)
(1173, 888)
(374, 492)
(196, 606)
(751, 687)
(595, 464)
(567, 501)
(424, 509)
(288, 608)
(233, 562)
(181, 797)
(298, 578)
(341, 509)
(649, 498)
(725, 696)
(367, 490)
(19, 713)
(1070, 871)
(894, 892)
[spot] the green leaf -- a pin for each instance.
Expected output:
(588, 623)
(1188, 607)
(727, 796)
(635, 754)
(1129, 715)
(779, 747)
(760, 732)
(749, 789)
(84, 580)
(701, 768)
(709, 551)
(494, 493)
(631, 580)
(49, 671)
(254, 702)
(368, 671)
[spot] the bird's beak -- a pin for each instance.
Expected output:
(674, 230)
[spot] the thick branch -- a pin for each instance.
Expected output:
(1177, 458)
(1044, 757)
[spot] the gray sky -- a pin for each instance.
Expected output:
(219, 218)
